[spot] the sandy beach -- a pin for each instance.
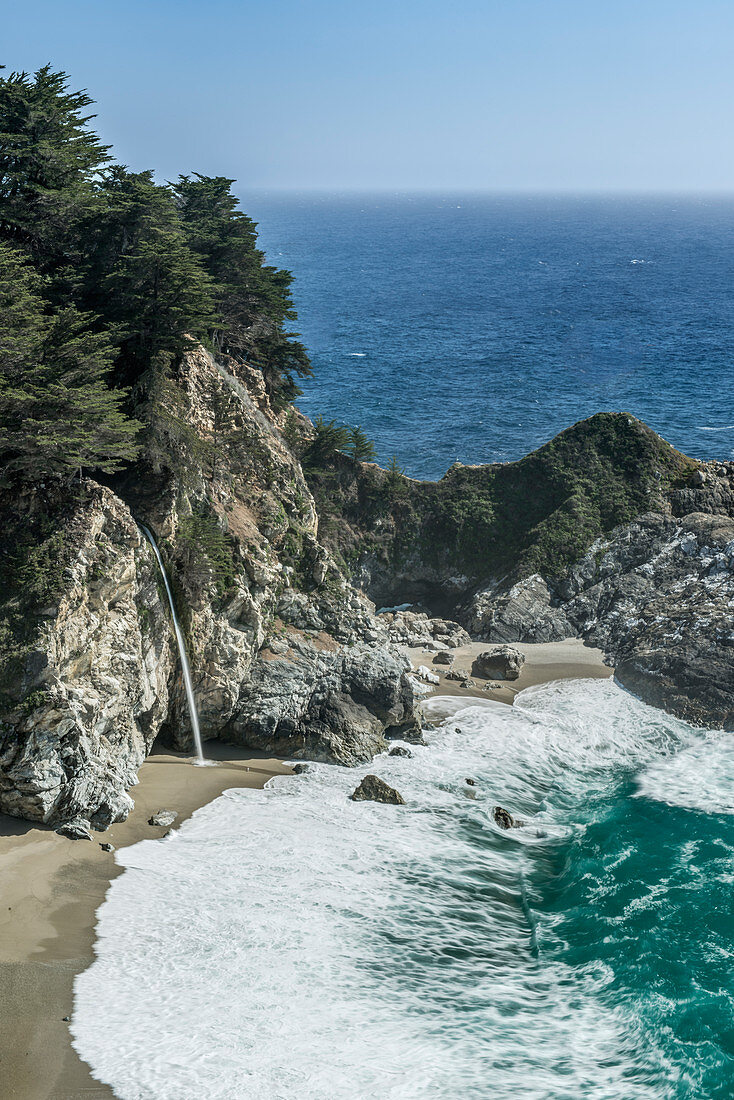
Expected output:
(51, 890)
(52, 887)
(544, 662)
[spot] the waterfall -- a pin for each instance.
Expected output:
(193, 713)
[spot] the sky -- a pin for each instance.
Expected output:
(461, 95)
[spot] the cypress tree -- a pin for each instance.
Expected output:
(57, 412)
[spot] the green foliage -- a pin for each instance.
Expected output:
(49, 159)
(106, 278)
(208, 550)
(330, 437)
(360, 448)
(540, 514)
(253, 300)
(395, 481)
(57, 412)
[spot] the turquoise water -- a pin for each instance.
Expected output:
(292, 944)
(477, 327)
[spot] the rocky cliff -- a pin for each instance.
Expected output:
(286, 656)
(606, 533)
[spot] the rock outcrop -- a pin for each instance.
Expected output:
(501, 662)
(374, 789)
(657, 596)
(84, 695)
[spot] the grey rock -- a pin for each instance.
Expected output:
(299, 769)
(502, 662)
(471, 782)
(74, 830)
(333, 705)
(163, 818)
(656, 597)
(374, 789)
(505, 820)
(400, 750)
(106, 847)
(98, 679)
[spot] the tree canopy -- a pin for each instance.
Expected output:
(106, 277)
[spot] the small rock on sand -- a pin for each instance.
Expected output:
(163, 817)
(78, 829)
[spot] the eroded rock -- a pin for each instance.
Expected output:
(374, 789)
(502, 662)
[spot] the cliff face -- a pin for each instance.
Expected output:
(285, 655)
(85, 691)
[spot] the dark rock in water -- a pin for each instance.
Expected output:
(107, 847)
(502, 662)
(505, 820)
(374, 789)
(443, 657)
(400, 750)
(299, 769)
(471, 782)
(78, 829)
(163, 817)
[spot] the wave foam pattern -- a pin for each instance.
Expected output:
(289, 943)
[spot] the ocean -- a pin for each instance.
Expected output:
(475, 328)
(289, 944)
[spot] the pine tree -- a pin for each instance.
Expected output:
(49, 159)
(253, 300)
(57, 412)
(360, 447)
(157, 291)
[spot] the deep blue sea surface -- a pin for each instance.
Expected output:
(476, 328)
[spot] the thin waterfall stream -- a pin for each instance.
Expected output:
(193, 713)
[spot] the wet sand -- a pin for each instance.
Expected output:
(50, 890)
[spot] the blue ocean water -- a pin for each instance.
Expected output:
(476, 327)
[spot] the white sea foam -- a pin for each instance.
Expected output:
(289, 943)
(723, 428)
(700, 777)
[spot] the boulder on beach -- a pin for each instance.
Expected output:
(78, 829)
(501, 662)
(374, 789)
(443, 657)
(163, 817)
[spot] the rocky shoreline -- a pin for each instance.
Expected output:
(606, 535)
